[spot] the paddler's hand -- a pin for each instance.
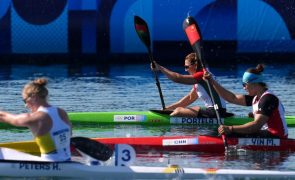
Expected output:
(207, 76)
(250, 115)
(155, 66)
(224, 129)
(167, 111)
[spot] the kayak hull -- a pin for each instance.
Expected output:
(173, 143)
(207, 144)
(79, 170)
(155, 118)
(150, 118)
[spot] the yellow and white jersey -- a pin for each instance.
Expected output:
(55, 145)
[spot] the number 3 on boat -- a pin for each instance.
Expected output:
(124, 155)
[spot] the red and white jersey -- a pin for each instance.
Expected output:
(276, 123)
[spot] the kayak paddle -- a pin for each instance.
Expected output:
(194, 36)
(92, 148)
(143, 33)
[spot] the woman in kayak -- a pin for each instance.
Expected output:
(268, 111)
(199, 90)
(49, 125)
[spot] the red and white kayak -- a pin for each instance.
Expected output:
(208, 144)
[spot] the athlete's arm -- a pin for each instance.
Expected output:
(176, 77)
(185, 101)
(224, 93)
(20, 120)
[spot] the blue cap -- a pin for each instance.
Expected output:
(252, 78)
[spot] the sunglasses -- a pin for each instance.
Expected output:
(186, 67)
(245, 84)
(26, 99)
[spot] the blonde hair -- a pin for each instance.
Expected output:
(193, 59)
(37, 87)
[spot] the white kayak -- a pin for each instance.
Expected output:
(18, 164)
(10, 168)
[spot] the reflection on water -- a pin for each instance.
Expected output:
(105, 87)
(258, 160)
(142, 130)
(249, 160)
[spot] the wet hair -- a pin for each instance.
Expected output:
(258, 70)
(37, 87)
(193, 59)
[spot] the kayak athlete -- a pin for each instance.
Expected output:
(49, 125)
(268, 111)
(199, 90)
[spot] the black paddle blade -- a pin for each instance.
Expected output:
(194, 36)
(143, 33)
(92, 148)
(142, 30)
